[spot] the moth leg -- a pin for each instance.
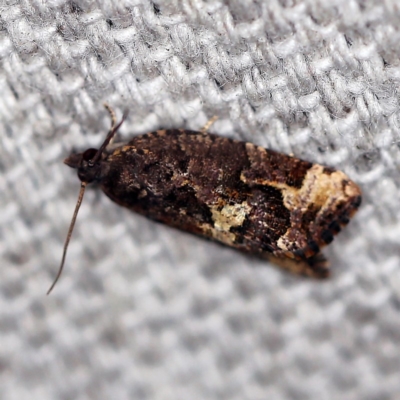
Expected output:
(316, 266)
(208, 124)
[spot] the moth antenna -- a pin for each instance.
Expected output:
(114, 128)
(112, 115)
(110, 135)
(71, 228)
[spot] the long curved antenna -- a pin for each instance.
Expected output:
(114, 128)
(71, 228)
(110, 135)
(112, 115)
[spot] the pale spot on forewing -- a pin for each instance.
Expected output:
(320, 190)
(229, 216)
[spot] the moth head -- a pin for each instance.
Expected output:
(88, 170)
(88, 165)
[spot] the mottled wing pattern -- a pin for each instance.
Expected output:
(319, 200)
(242, 195)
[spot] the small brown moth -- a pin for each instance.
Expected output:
(242, 195)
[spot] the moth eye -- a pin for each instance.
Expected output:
(89, 154)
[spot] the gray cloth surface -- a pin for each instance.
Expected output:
(146, 312)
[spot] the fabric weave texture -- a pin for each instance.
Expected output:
(146, 312)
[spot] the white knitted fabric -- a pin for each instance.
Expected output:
(143, 311)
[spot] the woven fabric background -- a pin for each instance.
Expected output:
(143, 311)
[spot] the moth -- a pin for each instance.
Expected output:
(256, 200)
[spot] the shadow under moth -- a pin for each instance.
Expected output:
(256, 200)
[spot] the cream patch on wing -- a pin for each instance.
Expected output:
(225, 218)
(320, 189)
